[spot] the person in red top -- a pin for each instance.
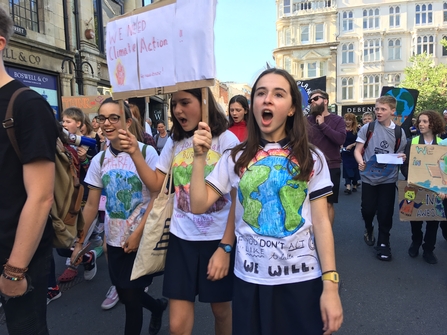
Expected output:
(238, 116)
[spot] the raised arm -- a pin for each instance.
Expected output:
(202, 196)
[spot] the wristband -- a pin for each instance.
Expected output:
(11, 268)
(328, 272)
(4, 275)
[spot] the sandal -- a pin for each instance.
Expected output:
(69, 274)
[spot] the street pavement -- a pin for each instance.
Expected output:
(404, 296)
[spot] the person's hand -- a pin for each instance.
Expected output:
(331, 310)
(218, 265)
(128, 142)
(362, 166)
(442, 195)
(132, 243)
(202, 139)
(319, 119)
(404, 157)
(12, 288)
(76, 250)
(82, 154)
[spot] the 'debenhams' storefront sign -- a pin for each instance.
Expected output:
(357, 109)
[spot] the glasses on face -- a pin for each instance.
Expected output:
(314, 99)
(112, 118)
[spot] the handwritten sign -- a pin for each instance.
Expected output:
(419, 204)
(88, 104)
(162, 48)
(427, 167)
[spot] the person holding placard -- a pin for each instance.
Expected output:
(286, 280)
(199, 257)
(430, 125)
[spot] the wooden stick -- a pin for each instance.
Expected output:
(122, 115)
(205, 104)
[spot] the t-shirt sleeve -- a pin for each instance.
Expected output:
(320, 184)
(222, 179)
(361, 135)
(228, 140)
(165, 156)
(93, 176)
(151, 157)
(36, 129)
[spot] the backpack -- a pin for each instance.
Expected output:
(397, 136)
(66, 211)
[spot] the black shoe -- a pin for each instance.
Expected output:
(155, 324)
(354, 189)
(369, 238)
(429, 257)
(413, 250)
(383, 252)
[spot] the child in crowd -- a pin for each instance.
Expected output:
(350, 167)
(238, 114)
(367, 117)
(117, 174)
(284, 236)
(430, 125)
(379, 180)
(196, 262)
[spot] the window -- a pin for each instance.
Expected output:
(371, 85)
(444, 49)
(394, 79)
(394, 49)
(394, 16)
(347, 53)
(319, 32)
(304, 34)
(301, 71)
(347, 88)
(312, 70)
(424, 14)
(425, 44)
(347, 21)
(25, 13)
(286, 7)
(288, 36)
(371, 51)
(287, 64)
(371, 18)
(280, 38)
(103, 11)
(444, 11)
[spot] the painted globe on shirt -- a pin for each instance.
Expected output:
(123, 191)
(272, 200)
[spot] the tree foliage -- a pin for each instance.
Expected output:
(430, 80)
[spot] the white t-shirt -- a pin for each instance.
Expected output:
(126, 193)
(275, 240)
(184, 224)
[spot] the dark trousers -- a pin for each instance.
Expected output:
(379, 199)
(431, 231)
(27, 315)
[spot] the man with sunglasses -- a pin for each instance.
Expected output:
(327, 132)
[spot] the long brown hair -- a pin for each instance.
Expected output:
(296, 131)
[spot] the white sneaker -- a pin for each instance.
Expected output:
(90, 267)
(111, 299)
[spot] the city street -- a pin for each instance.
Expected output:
(404, 296)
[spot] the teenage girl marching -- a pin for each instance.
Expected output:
(198, 252)
(284, 236)
(126, 196)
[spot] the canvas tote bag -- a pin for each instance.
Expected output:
(151, 254)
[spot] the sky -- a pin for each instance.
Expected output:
(245, 37)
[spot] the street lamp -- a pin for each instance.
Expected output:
(77, 65)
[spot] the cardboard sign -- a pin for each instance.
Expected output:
(427, 167)
(162, 48)
(88, 104)
(419, 204)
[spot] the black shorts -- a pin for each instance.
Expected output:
(277, 309)
(186, 271)
(335, 178)
(120, 268)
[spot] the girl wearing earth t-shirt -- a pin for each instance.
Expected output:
(286, 280)
(196, 262)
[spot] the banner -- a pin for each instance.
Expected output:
(427, 167)
(419, 204)
(406, 103)
(162, 48)
(307, 86)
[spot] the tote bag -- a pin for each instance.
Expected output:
(151, 254)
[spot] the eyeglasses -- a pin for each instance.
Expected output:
(112, 118)
(314, 99)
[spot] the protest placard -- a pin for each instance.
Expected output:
(89, 104)
(419, 204)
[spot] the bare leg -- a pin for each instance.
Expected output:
(222, 317)
(181, 317)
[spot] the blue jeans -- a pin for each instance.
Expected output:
(27, 315)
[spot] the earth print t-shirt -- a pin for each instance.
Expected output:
(275, 240)
(184, 224)
(126, 193)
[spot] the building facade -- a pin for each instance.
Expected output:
(371, 43)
